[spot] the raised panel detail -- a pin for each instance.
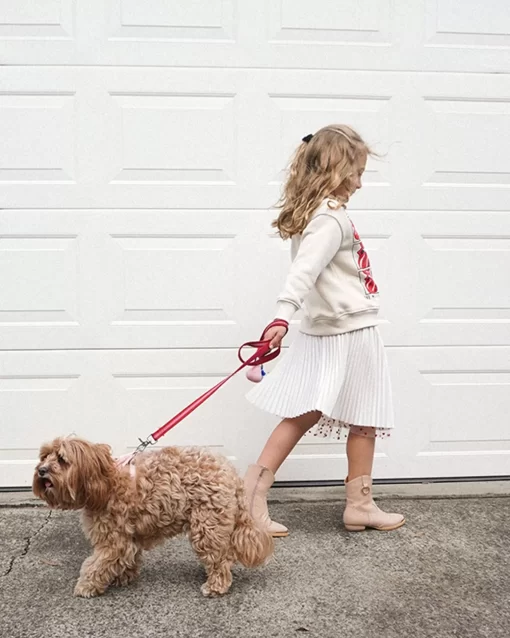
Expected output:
(171, 20)
(37, 139)
(28, 400)
(471, 137)
(175, 280)
(452, 22)
(161, 135)
(45, 273)
(330, 21)
(471, 285)
(44, 19)
(460, 426)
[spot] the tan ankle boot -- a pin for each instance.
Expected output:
(257, 482)
(361, 511)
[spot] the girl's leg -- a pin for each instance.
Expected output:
(284, 439)
(260, 477)
(361, 511)
(360, 452)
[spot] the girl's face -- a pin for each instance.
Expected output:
(358, 170)
(353, 182)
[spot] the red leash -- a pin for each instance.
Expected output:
(263, 354)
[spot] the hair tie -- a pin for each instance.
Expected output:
(307, 138)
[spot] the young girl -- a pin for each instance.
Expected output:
(335, 374)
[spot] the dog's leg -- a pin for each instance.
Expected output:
(210, 538)
(219, 578)
(106, 565)
(130, 573)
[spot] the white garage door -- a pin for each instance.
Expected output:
(141, 146)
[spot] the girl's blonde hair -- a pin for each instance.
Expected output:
(321, 167)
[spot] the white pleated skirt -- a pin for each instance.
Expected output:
(344, 377)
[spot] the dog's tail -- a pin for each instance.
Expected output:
(253, 544)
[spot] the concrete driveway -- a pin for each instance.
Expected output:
(445, 574)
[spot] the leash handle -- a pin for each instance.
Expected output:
(263, 347)
(281, 323)
(263, 353)
(255, 372)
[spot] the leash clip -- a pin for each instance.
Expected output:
(145, 444)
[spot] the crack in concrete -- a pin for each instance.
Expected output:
(26, 546)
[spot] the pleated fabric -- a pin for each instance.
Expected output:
(345, 377)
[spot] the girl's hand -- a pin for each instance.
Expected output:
(275, 335)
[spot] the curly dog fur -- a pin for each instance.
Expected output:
(173, 491)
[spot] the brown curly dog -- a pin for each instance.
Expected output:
(171, 491)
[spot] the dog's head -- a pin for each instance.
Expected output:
(73, 474)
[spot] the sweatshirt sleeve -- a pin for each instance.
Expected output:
(320, 243)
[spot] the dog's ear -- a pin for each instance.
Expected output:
(72, 452)
(99, 474)
(46, 450)
(90, 473)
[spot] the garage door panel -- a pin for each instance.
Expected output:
(473, 279)
(188, 122)
(171, 33)
(179, 286)
(449, 24)
(424, 35)
(98, 279)
(190, 34)
(451, 273)
(46, 290)
(461, 129)
(464, 37)
(35, 398)
(199, 21)
(37, 138)
(265, 34)
(109, 151)
(175, 279)
(143, 145)
(29, 29)
(56, 301)
(455, 412)
(37, 402)
(107, 283)
(461, 426)
(294, 20)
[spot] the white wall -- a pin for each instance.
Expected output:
(142, 144)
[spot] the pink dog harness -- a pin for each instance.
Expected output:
(255, 373)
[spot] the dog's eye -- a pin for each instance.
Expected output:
(60, 459)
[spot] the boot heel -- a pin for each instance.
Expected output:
(355, 528)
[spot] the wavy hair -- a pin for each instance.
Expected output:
(321, 168)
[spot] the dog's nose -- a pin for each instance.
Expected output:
(43, 471)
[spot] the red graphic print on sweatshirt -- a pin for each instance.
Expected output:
(363, 265)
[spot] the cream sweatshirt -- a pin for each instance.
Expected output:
(330, 277)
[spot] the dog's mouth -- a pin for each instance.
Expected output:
(47, 484)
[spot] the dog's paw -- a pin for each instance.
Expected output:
(86, 590)
(211, 593)
(124, 579)
(207, 592)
